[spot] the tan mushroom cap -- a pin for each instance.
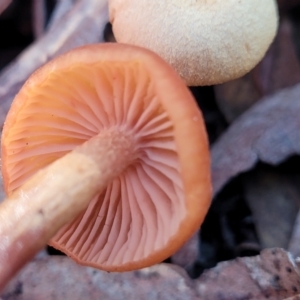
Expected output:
(206, 41)
(161, 198)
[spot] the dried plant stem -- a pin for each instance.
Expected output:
(39, 17)
(56, 195)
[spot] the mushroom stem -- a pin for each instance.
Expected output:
(55, 195)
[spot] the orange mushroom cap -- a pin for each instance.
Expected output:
(147, 212)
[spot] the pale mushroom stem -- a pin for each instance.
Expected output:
(56, 195)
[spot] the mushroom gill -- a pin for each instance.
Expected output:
(141, 208)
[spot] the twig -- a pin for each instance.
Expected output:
(39, 16)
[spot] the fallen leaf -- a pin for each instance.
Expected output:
(83, 24)
(280, 68)
(271, 275)
(60, 278)
(274, 199)
(62, 8)
(268, 132)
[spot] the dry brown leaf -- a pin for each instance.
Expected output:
(61, 10)
(272, 275)
(274, 199)
(280, 68)
(60, 278)
(83, 24)
(269, 131)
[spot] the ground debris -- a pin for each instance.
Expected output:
(268, 132)
(271, 275)
(280, 68)
(82, 24)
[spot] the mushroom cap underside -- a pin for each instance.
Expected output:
(159, 201)
(207, 42)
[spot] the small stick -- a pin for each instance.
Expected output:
(39, 17)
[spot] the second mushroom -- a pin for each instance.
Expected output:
(207, 42)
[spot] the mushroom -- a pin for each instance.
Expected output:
(122, 154)
(207, 42)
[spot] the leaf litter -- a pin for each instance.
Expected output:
(266, 132)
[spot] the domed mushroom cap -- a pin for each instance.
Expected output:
(207, 42)
(160, 199)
